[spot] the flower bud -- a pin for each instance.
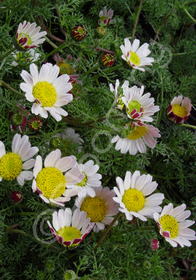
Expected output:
(107, 59)
(16, 196)
(35, 123)
(79, 32)
(154, 244)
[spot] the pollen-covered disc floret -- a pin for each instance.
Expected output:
(173, 225)
(46, 90)
(28, 35)
(90, 180)
(136, 56)
(135, 137)
(179, 109)
(51, 180)
(15, 164)
(100, 209)
(139, 106)
(135, 198)
(70, 228)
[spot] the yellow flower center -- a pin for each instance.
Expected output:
(10, 166)
(133, 200)
(51, 182)
(179, 110)
(45, 93)
(134, 105)
(170, 224)
(69, 233)
(137, 133)
(134, 58)
(95, 208)
(83, 182)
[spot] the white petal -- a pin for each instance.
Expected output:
(37, 166)
(65, 163)
(28, 164)
(2, 149)
(73, 176)
(52, 158)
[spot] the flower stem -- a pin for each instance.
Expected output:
(190, 16)
(2, 83)
(107, 230)
(137, 18)
(188, 125)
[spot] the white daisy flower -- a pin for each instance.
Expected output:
(70, 228)
(48, 91)
(174, 226)
(179, 109)
(139, 106)
(51, 182)
(101, 208)
(14, 165)
(30, 55)
(136, 136)
(28, 35)
(136, 56)
(135, 197)
(90, 181)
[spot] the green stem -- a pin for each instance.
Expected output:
(108, 229)
(57, 49)
(137, 18)
(2, 83)
(189, 15)
(50, 42)
(188, 125)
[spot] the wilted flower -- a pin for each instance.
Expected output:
(179, 109)
(28, 35)
(136, 56)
